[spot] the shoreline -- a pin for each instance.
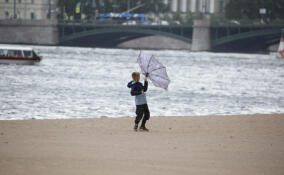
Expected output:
(261, 52)
(237, 144)
(133, 117)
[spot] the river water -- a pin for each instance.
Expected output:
(91, 83)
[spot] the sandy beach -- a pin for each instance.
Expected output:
(219, 145)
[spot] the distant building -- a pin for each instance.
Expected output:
(197, 6)
(28, 9)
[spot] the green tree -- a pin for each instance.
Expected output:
(67, 6)
(154, 6)
(89, 7)
(119, 6)
(249, 9)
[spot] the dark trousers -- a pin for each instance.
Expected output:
(142, 111)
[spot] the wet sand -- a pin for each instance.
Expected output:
(214, 145)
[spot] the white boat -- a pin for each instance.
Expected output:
(281, 45)
(18, 55)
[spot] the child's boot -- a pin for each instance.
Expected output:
(143, 128)
(135, 127)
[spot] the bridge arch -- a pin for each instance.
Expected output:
(103, 31)
(246, 35)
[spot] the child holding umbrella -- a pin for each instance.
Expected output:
(142, 110)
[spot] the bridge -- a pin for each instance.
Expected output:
(223, 38)
(112, 35)
(246, 38)
(201, 36)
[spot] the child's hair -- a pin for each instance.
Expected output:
(135, 75)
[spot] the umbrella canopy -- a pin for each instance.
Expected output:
(152, 68)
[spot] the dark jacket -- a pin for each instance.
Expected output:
(137, 87)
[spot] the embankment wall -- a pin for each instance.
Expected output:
(36, 32)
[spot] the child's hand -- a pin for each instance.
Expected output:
(145, 79)
(142, 92)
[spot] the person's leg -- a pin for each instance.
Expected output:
(146, 115)
(143, 125)
(139, 115)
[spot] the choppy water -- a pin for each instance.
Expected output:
(90, 83)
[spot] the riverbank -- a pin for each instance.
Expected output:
(234, 145)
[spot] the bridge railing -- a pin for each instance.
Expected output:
(214, 23)
(119, 23)
(245, 22)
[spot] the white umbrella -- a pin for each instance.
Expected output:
(152, 68)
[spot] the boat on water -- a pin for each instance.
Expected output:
(18, 55)
(281, 45)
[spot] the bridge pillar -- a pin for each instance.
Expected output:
(201, 40)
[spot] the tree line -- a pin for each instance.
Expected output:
(250, 9)
(235, 9)
(91, 8)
